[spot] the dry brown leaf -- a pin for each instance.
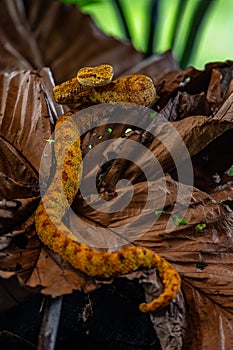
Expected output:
(26, 125)
(203, 257)
(46, 33)
(56, 276)
(213, 85)
(50, 34)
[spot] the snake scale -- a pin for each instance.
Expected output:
(48, 219)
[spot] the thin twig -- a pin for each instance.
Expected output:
(11, 341)
(50, 322)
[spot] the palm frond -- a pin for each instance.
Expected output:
(122, 18)
(199, 14)
(152, 28)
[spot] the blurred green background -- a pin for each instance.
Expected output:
(197, 31)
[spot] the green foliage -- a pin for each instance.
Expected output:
(154, 26)
(153, 115)
(230, 171)
(179, 220)
(159, 212)
(201, 265)
(200, 227)
(82, 3)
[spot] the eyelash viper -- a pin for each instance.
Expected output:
(80, 91)
(59, 238)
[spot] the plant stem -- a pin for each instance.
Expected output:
(50, 322)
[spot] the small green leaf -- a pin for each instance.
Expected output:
(128, 130)
(201, 265)
(230, 171)
(200, 227)
(159, 212)
(179, 220)
(153, 115)
(49, 140)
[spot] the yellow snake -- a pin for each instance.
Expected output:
(135, 88)
(54, 234)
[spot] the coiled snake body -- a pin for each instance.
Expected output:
(48, 220)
